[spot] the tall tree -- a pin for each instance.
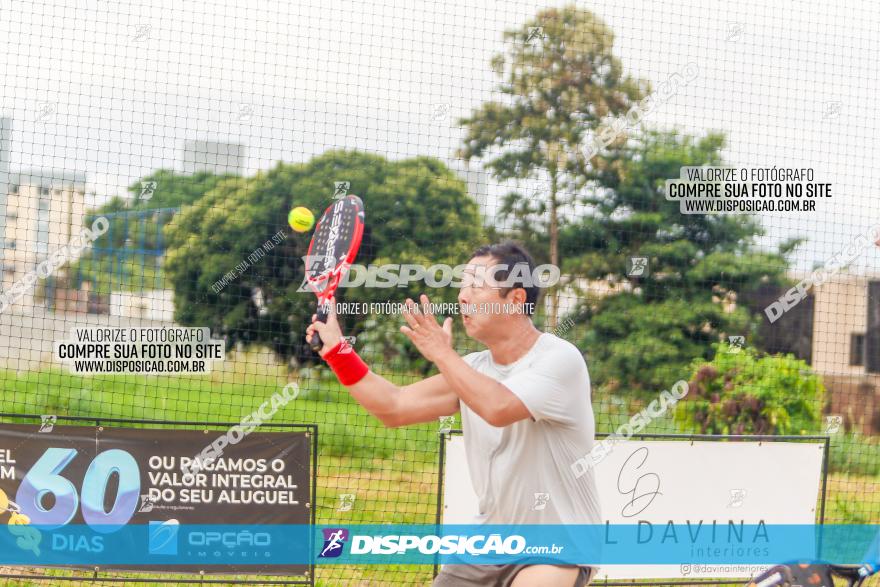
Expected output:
(560, 81)
(417, 211)
(650, 324)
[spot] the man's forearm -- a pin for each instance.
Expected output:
(377, 395)
(484, 395)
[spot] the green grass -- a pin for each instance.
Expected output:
(857, 454)
(346, 429)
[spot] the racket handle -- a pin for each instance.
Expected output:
(316, 343)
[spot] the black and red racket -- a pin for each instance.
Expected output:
(812, 575)
(334, 246)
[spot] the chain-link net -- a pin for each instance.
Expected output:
(696, 184)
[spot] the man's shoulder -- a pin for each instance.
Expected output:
(561, 359)
(559, 347)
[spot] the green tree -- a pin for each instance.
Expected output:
(160, 190)
(417, 211)
(740, 392)
(646, 329)
(560, 82)
(129, 254)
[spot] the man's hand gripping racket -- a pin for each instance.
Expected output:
(334, 246)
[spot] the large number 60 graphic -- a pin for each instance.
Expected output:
(45, 478)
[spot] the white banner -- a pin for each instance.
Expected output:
(660, 481)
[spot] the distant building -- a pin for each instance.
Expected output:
(217, 158)
(5, 132)
(836, 330)
(846, 347)
(44, 209)
(144, 305)
(477, 182)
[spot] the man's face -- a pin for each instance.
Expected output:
(480, 299)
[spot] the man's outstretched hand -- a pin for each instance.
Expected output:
(432, 340)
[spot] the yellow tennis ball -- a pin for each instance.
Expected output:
(301, 219)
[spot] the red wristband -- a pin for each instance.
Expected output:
(346, 363)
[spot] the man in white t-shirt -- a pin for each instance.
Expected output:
(524, 403)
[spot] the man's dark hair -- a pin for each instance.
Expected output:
(510, 253)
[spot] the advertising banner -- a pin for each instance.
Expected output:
(73, 495)
(680, 492)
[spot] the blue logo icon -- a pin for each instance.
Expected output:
(334, 540)
(163, 537)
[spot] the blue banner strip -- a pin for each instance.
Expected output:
(170, 544)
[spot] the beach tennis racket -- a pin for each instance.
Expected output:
(813, 575)
(334, 246)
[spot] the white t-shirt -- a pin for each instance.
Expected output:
(522, 472)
